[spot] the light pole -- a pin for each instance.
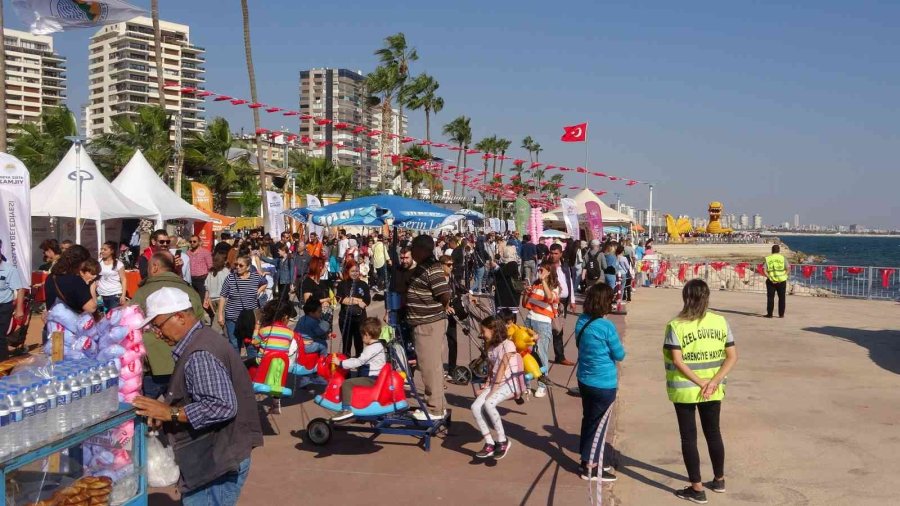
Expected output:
(78, 141)
(650, 214)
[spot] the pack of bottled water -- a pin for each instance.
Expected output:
(39, 407)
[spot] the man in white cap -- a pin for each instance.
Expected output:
(209, 412)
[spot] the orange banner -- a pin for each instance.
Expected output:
(201, 196)
(204, 230)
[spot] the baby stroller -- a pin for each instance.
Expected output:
(473, 308)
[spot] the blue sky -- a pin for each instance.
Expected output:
(767, 107)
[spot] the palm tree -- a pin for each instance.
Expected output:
(384, 81)
(459, 131)
(412, 171)
(207, 157)
(251, 73)
(537, 151)
(157, 52)
(420, 94)
(148, 131)
(528, 145)
(502, 146)
(318, 176)
(42, 145)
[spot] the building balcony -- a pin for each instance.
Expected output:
(54, 85)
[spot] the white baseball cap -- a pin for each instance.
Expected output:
(595, 242)
(166, 301)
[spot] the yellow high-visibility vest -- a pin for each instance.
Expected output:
(776, 268)
(703, 351)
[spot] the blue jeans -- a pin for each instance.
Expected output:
(594, 403)
(110, 301)
(317, 347)
(545, 334)
(223, 491)
(229, 332)
(479, 275)
(611, 281)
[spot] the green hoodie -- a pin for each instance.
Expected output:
(159, 354)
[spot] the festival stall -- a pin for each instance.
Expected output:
(375, 211)
(612, 221)
(102, 205)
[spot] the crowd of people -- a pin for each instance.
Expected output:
(208, 311)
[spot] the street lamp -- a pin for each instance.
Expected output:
(78, 141)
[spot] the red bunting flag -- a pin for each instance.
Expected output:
(323, 121)
(204, 93)
(238, 101)
(472, 151)
(255, 105)
(614, 178)
(564, 169)
(188, 90)
(291, 113)
(581, 170)
(761, 269)
(221, 98)
(374, 133)
(808, 271)
(359, 129)
(260, 131)
(829, 272)
(535, 165)
(273, 109)
(341, 126)
(854, 270)
(886, 278)
(681, 272)
(549, 167)
(631, 183)
(575, 133)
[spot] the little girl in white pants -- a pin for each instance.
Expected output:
(506, 382)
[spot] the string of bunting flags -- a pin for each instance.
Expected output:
(462, 175)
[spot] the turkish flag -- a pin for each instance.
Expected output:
(575, 133)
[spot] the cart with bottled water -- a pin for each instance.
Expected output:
(66, 440)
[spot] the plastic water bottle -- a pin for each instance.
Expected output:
(42, 431)
(5, 447)
(48, 388)
(28, 420)
(15, 419)
(112, 387)
(76, 406)
(97, 408)
(63, 405)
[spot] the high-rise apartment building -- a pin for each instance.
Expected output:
(35, 76)
(339, 96)
(796, 221)
(745, 222)
(122, 73)
(757, 222)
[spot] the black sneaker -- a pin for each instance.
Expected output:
(500, 449)
(486, 452)
(717, 486)
(689, 494)
(588, 474)
(607, 476)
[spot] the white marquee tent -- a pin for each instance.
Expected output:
(56, 195)
(610, 215)
(140, 183)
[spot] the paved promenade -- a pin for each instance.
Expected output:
(811, 417)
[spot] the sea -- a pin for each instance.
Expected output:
(862, 251)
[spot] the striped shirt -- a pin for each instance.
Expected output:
(208, 383)
(274, 338)
(427, 286)
(240, 294)
(542, 306)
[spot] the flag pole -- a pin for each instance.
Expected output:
(585, 155)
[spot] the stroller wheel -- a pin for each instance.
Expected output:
(461, 375)
(319, 431)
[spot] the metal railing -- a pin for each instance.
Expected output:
(815, 280)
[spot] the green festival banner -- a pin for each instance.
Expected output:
(523, 212)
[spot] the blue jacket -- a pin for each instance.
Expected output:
(284, 269)
(599, 348)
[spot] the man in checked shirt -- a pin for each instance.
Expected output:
(209, 412)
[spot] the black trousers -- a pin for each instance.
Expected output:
(6, 313)
(199, 284)
(771, 290)
(451, 342)
(559, 346)
(350, 334)
(687, 425)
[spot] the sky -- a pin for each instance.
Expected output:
(769, 108)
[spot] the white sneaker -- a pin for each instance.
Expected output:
(420, 415)
(541, 391)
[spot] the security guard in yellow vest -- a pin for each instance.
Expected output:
(776, 281)
(698, 353)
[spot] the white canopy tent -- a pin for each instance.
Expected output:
(56, 196)
(610, 215)
(140, 183)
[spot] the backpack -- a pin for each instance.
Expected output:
(592, 266)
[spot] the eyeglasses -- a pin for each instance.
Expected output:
(157, 328)
(448, 264)
(194, 242)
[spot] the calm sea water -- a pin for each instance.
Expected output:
(845, 250)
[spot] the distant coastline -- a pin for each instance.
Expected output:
(824, 234)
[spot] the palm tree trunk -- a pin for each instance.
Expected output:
(465, 162)
(157, 53)
(459, 155)
(3, 129)
(385, 123)
(245, 12)
(428, 138)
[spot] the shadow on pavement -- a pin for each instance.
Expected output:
(629, 467)
(883, 345)
(734, 311)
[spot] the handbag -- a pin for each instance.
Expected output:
(352, 310)
(245, 324)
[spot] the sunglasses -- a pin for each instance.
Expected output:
(194, 242)
(448, 265)
(240, 265)
(163, 241)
